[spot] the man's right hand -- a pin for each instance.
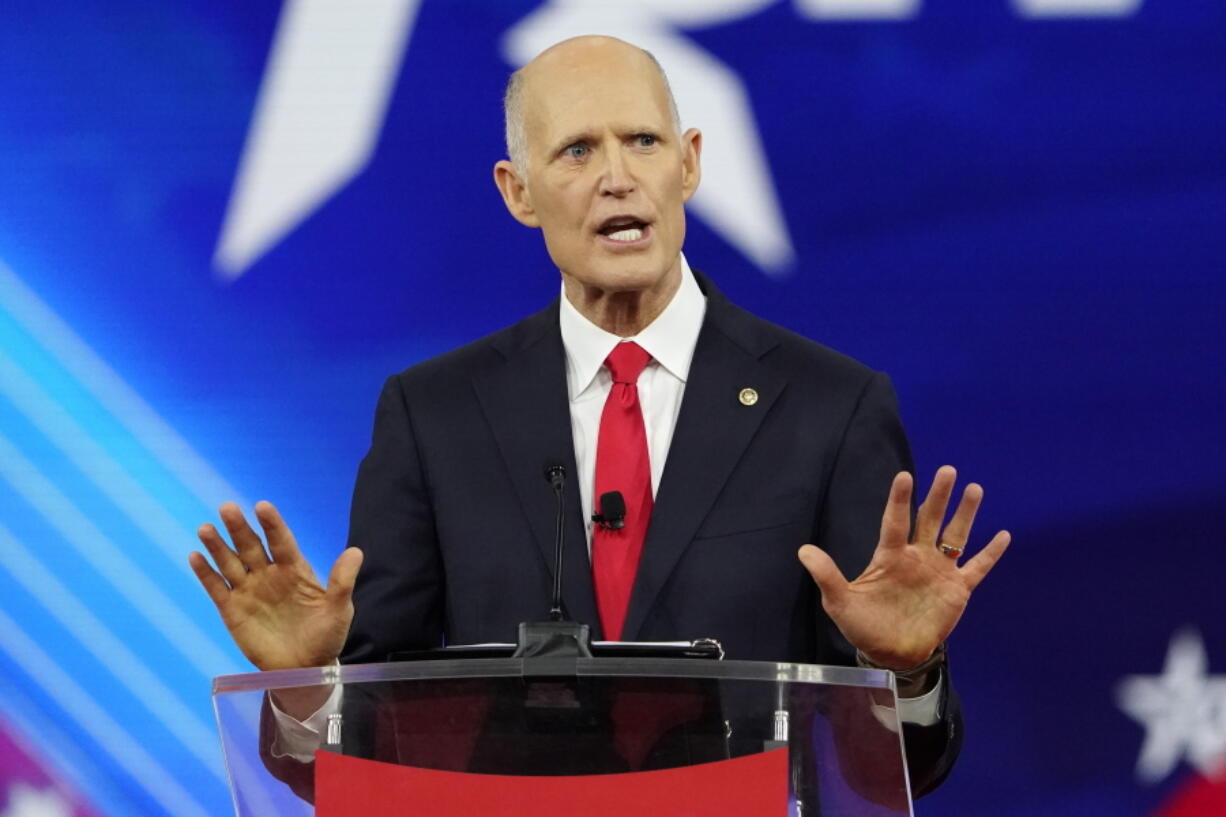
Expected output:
(270, 600)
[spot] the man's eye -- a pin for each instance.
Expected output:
(645, 140)
(576, 151)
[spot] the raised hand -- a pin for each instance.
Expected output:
(911, 595)
(270, 600)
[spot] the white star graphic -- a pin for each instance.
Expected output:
(333, 65)
(1183, 711)
(27, 801)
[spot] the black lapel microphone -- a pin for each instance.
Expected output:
(612, 514)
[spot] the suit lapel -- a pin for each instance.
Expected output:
(525, 402)
(713, 430)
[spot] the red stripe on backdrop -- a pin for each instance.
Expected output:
(351, 787)
(1198, 797)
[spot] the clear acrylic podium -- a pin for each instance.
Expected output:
(504, 737)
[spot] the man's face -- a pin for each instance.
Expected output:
(608, 175)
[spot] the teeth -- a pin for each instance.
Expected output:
(631, 234)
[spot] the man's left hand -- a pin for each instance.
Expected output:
(908, 599)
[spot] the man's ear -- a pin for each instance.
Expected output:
(515, 193)
(691, 162)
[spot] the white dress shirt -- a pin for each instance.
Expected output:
(670, 340)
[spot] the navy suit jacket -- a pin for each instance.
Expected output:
(457, 521)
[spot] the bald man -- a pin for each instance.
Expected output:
(776, 469)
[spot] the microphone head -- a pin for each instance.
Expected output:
(555, 473)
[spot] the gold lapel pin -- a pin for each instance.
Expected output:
(748, 396)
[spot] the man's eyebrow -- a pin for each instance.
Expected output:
(570, 139)
(590, 136)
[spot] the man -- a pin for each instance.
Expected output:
(733, 441)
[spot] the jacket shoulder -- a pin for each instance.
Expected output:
(786, 350)
(461, 363)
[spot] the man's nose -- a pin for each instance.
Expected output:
(616, 180)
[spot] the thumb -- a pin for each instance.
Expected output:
(344, 574)
(826, 573)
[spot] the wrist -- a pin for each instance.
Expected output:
(915, 681)
(301, 703)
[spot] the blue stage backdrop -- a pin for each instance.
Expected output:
(223, 223)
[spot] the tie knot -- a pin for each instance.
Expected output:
(626, 362)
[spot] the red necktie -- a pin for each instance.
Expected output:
(622, 465)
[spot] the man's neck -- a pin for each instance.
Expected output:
(623, 313)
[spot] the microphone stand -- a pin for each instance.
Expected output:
(554, 645)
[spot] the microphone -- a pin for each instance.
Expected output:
(612, 514)
(551, 647)
(555, 474)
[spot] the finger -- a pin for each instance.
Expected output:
(209, 578)
(227, 561)
(974, 571)
(932, 513)
(344, 574)
(281, 542)
(826, 573)
(958, 531)
(246, 541)
(896, 519)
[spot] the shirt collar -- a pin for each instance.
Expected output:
(669, 339)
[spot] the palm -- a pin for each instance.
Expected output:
(281, 618)
(270, 601)
(911, 595)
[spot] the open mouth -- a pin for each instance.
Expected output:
(624, 229)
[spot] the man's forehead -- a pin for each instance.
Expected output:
(593, 82)
(591, 52)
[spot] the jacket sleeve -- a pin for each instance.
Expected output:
(400, 590)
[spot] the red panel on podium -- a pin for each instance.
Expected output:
(352, 787)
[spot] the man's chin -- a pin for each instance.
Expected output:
(622, 275)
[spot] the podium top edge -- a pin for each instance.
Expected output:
(751, 671)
